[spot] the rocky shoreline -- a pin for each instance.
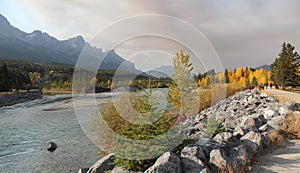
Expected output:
(15, 98)
(247, 118)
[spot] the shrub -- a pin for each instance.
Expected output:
(290, 129)
(213, 127)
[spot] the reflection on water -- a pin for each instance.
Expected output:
(26, 129)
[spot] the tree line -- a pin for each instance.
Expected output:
(16, 75)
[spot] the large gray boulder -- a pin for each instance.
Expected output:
(122, 170)
(193, 159)
(102, 165)
(239, 131)
(254, 139)
(167, 163)
(276, 122)
(218, 158)
(254, 122)
(265, 128)
(223, 137)
(83, 170)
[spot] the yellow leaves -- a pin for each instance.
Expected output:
(220, 76)
(131, 83)
(94, 79)
(239, 77)
(204, 83)
(108, 82)
(242, 81)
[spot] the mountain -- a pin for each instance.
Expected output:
(265, 67)
(162, 71)
(39, 46)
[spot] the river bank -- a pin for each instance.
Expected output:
(247, 120)
(9, 99)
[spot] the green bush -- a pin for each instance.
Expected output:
(213, 127)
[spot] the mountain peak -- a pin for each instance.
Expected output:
(3, 20)
(39, 33)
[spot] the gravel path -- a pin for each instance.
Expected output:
(284, 95)
(286, 160)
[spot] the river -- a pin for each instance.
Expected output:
(26, 129)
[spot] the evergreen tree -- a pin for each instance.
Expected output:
(4, 79)
(226, 76)
(248, 83)
(284, 68)
(180, 94)
(254, 81)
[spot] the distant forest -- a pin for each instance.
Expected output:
(20, 75)
(16, 75)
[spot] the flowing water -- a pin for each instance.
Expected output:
(26, 129)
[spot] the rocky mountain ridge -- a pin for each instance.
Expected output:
(39, 46)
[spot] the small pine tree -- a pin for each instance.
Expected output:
(180, 93)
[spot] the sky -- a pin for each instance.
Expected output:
(242, 33)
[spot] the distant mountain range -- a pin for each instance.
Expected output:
(38, 46)
(162, 71)
(265, 67)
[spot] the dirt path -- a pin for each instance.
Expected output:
(286, 160)
(283, 95)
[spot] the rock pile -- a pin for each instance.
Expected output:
(247, 117)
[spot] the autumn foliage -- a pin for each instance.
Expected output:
(241, 76)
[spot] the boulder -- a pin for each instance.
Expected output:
(192, 151)
(275, 122)
(265, 128)
(208, 145)
(192, 164)
(205, 170)
(250, 124)
(254, 139)
(102, 165)
(167, 163)
(253, 122)
(83, 170)
(223, 137)
(51, 146)
(232, 122)
(283, 110)
(122, 170)
(218, 158)
(268, 114)
(239, 131)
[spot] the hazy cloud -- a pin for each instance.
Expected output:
(244, 33)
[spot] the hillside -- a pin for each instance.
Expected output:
(38, 46)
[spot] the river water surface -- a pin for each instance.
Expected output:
(26, 129)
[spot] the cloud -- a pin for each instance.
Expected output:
(244, 33)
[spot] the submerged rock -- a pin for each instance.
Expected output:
(52, 146)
